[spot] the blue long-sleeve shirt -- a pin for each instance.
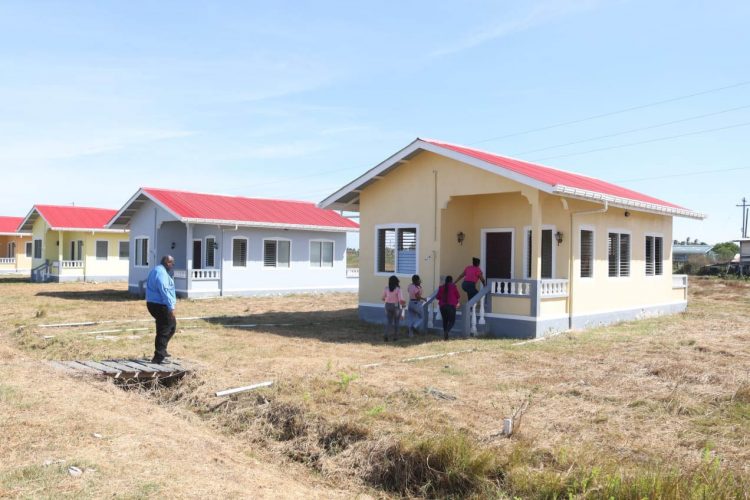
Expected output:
(160, 287)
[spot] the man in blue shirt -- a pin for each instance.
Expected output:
(160, 301)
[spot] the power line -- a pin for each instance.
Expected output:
(664, 124)
(744, 124)
(611, 113)
(684, 174)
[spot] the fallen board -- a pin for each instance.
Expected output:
(123, 369)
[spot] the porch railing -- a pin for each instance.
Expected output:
(679, 281)
(71, 264)
(7, 260)
(548, 288)
(179, 273)
(206, 274)
(352, 272)
(553, 288)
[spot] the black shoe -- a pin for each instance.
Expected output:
(157, 361)
(167, 355)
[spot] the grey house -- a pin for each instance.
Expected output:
(232, 245)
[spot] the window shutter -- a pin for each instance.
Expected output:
(327, 254)
(124, 249)
(659, 256)
(407, 251)
(612, 252)
(547, 253)
(587, 253)
(315, 252)
(649, 255)
(624, 255)
(269, 253)
(239, 252)
(529, 243)
(29, 249)
(210, 252)
(102, 249)
(283, 258)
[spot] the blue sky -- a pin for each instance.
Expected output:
(295, 99)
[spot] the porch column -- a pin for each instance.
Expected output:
(189, 257)
(60, 248)
(536, 252)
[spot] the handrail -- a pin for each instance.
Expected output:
(468, 311)
(426, 311)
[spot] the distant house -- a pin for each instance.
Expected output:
(232, 245)
(15, 247)
(744, 255)
(72, 244)
(559, 250)
(682, 253)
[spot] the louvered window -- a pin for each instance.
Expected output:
(276, 253)
(29, 249)
(102, 249)
(397, 250)
(321, 253)
(12, 249)
(141, 252)
(618, 253)
(239, 252)
(210, 252)
(546, 253)
(37, 249)
(654, 251)
(124, 250)
(587, 253)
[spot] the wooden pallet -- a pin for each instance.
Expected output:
(124, 369)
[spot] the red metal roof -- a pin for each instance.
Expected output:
(10, 224)
(70, 217)
(215, 207)
(552, 176)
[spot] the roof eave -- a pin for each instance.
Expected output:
(617, 201)
(304, 227)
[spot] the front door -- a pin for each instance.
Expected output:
(197, 255)
(498, 254)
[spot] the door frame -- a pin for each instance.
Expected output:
(483, 256)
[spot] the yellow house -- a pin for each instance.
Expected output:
(559, 250)
(71, 244)
(15, 247)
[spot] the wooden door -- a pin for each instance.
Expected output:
(498, 254)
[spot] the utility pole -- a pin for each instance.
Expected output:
(745, 210)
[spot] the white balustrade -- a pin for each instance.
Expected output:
(481, 311)
(352, 272)
(71, 264)
(510, 287)
(179, 273)
(474, 319)
(553, 288)
(7, 260)
(205, 274)
(679, 281)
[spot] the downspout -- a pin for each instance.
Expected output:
(571, 278)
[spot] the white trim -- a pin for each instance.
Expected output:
(272, 225)
(96, 257)
(630, 308)
(247, 252)
(483, 251)
(592, 228)
(135, 251)
(619, 257)
(263, 255)
(321, 267)
(553, 249)
(645, 263)
(396, 226)
(205, 251)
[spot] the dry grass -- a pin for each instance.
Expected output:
(632, 410)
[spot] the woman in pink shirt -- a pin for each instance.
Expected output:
(448, 299)
(393, 303)
(415, 304)
(471, 275)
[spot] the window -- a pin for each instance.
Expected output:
(276, 253)
(76, 250)
(37, 249)
(546, 253)
(618, 253)
(654, 254)
(12, 249)
(29, 249)
(141, 252)
(587, 253)
(102, 249)
(239, 252)
(397, 250)
(210, 252)
(321, 253)
(124, 250)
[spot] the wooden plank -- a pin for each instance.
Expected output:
(153, 366)
(129, 370)
(139, 368)
(102, 368)
(82, 368)
(61, 366)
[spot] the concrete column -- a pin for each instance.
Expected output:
(60, 247)
(189, 256)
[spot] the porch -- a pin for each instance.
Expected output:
(59, 271)
(197, 282)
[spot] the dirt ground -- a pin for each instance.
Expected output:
(659, 392)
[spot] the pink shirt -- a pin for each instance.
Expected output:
(472, 273)
(453, 295)
(392, 297)
(414, 291)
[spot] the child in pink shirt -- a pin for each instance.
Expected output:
(448, 299)
(393, 303)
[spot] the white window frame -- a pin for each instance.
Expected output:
(483, 247)
(205, 251)
(29, 249)
(547, 227)
(96, 244)
(263, 255)
(585, 227)
(75, 244)
(309, 254)
(630, 253)
(396, 226)
(247, 251)
(41, 249)
(135, 251)
(645, 264)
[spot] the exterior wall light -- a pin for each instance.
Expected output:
(460, 237)
(558, 238)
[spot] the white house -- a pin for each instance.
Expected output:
(232, 245)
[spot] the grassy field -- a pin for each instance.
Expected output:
(658, 408)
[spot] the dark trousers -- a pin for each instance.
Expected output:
(470, 287)
(449, 318)
(165, 328)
